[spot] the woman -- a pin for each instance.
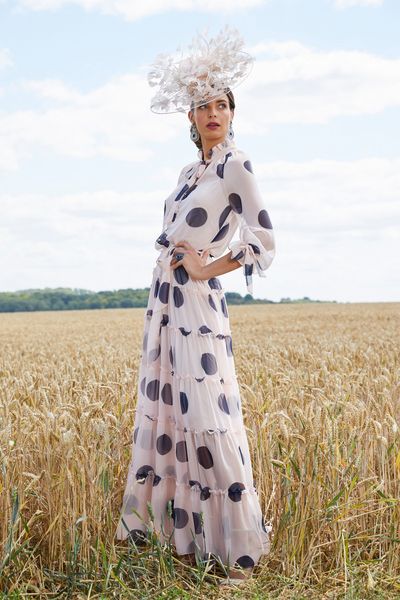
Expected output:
(190, 455)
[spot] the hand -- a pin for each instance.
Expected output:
(192, 261)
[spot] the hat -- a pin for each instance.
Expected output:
(211, 67)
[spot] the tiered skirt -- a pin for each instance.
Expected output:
(190, 454)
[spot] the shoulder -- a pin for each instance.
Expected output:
(236, 165)
(187, 169)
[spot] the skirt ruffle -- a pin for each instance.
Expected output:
(190, 453)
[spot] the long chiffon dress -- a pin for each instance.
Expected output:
(190, 453)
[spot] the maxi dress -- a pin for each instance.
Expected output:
(190, 453)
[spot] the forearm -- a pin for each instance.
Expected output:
(221, 265)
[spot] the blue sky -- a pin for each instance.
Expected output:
(85, 166)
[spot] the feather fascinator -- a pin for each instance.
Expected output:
(210, 68)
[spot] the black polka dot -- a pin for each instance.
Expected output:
(235, 202)
(137, 537)
(205, 493)
(221, 233)
(184, 402)
(164, 291)
(204, 329)
(204, 457)
(264, 220)
(143, 472)
(193, 482)
(247, 165)
(154, 354)
(199, 378)
(149, 313)
(245, 561)
(182, 192)
(181, 451)
(214, 283)
(156, 288)
(135, 434)
(156, 480)
(209, 363)
(181, 517)
(224, 307)
(164, 320)
(223, 403)
(235, 491)
(211, 302)
(181, 275)
(241, 454)
(248, 269)
(196, 217)
(256, 249)
(171, 356)
(166, 394)
(240, 254)
(184, 332)
(223, 216)
(197, 522)
(164, 444)
(143, 386)
(228, 344)
(153, 389)
(178, 297)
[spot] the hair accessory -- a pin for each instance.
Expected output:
(211, 68)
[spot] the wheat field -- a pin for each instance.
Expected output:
(321, 400)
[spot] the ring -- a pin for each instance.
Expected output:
(179, 256)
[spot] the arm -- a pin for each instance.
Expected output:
(255, 249)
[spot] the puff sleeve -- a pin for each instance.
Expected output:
(255, 249)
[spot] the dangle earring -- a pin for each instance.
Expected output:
(194, 134)
(231, 133)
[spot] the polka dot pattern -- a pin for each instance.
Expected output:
(196, 217)
(190, 454)
(209, 363)
(204, 457)
(164, 444)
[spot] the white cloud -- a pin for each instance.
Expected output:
(290, 83)
(133, 10)
(350, 3)
(293, 83)
(334, 221)
(112, 121)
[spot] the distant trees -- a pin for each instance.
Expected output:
(81, 299)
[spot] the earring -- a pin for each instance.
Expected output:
(231, 133)
(194, 134)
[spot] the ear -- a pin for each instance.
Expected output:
(190, 116)
(232, 113)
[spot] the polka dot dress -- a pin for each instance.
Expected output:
(190, 453)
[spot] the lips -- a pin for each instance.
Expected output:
(212, 125)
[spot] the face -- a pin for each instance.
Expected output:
(215, 111)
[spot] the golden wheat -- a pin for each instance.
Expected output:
(320, 390)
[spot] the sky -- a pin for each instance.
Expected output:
(85, 165)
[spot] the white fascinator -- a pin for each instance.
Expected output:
(210, 68)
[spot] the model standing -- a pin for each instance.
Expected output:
(190, 455)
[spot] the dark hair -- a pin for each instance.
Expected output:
(231, 100)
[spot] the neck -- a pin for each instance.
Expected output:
(208, 145)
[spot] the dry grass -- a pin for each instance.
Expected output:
(320, 388)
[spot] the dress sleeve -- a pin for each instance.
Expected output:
(256, 247)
